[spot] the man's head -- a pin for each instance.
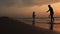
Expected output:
(49, 5)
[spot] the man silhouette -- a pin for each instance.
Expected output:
(51, 15)
(51, 12)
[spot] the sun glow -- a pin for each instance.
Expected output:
(41, 10)
(56, 8)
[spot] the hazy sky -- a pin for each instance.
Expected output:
(24, 8)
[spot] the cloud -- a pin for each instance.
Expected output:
(19, 3)
(21, 6)
(25, 3)
(6, 2)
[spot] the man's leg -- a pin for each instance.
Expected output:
(51, 26)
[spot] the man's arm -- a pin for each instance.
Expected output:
(48, 11)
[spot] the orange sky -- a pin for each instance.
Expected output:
(27, 11)
(24, 8)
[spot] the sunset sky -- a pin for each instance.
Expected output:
(24, 8)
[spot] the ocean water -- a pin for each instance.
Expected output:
(43, 23)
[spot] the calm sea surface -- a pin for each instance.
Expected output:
(43, 23)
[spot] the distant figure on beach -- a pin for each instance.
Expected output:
(51, 16)
(51, 12)
(33, 16)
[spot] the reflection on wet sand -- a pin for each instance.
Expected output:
(44, 23)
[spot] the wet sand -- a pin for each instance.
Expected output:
(22, 28)
(12, 26)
